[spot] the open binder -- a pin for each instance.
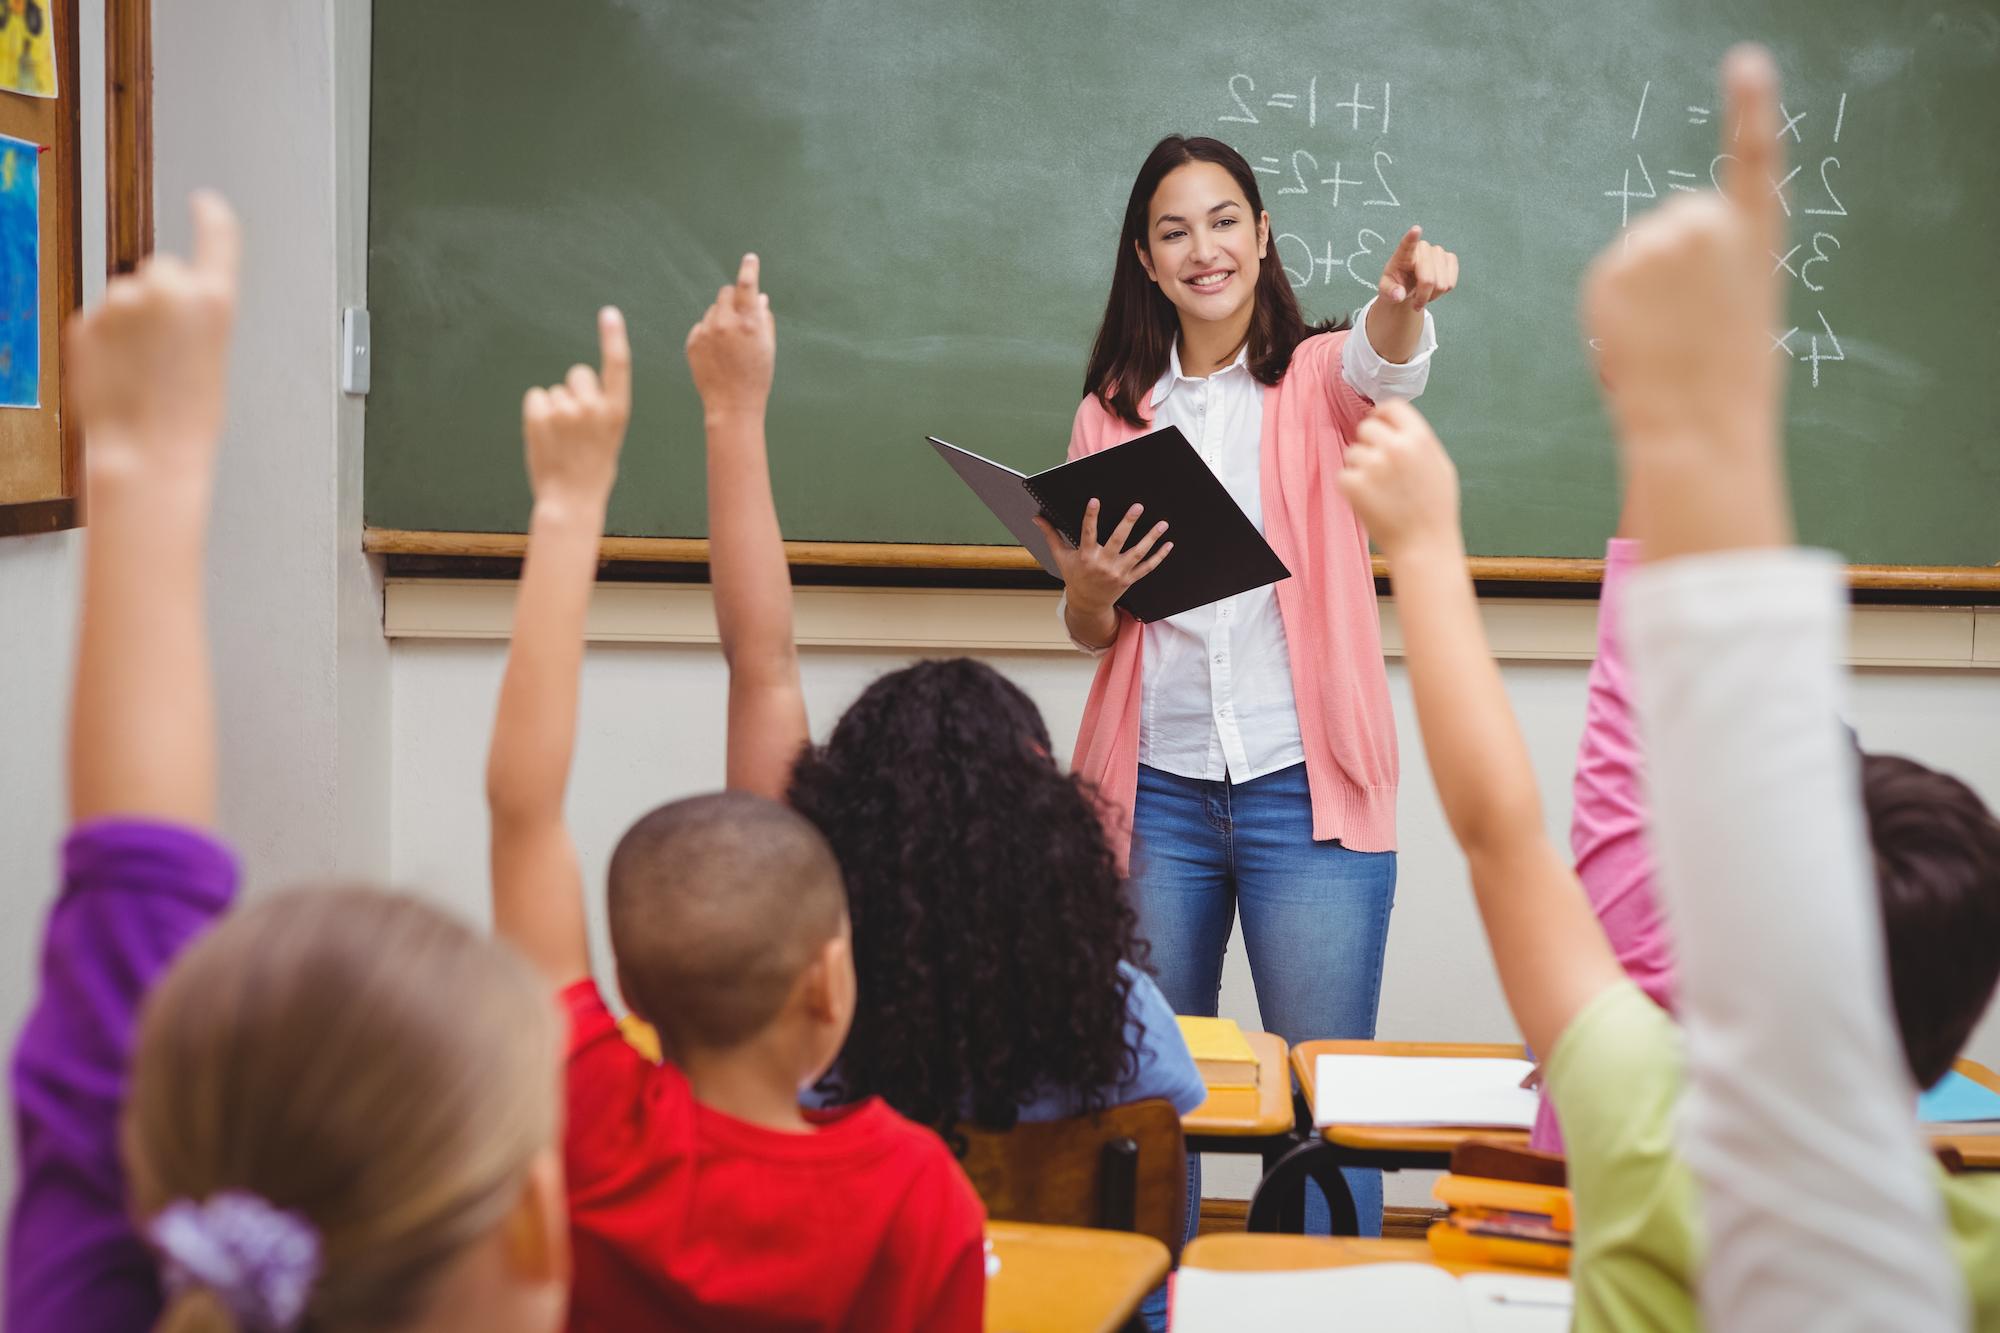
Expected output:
(1218, 551)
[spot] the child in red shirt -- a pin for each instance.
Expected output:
(700, 1194)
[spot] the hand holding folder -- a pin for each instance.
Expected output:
(1217, 551)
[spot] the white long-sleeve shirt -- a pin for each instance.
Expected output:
(1820, 1203)
(1217, 698)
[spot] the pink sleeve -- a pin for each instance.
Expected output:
(1608, 820)
(1349, 404)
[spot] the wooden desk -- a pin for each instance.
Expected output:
(1067, 1279)
(1279, 1205)
(1980, 1151)
(1274, 1098)
(1241, 1252)
(1435, 1141)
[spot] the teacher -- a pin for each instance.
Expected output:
(1250, 741)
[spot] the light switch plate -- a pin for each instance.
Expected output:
(355, 353)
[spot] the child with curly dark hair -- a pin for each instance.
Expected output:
(995, 950)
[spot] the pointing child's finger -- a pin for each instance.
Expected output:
(1750, 92)
(614, 354)
(218, 241)
(746, 280)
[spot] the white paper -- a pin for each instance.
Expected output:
(1413, 1297)
(1504, 1303)
(1423, 1090)
(1371, 1298)
(1005, 492)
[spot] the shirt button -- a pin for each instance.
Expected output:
(1219, 657)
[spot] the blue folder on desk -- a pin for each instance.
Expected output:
(1957, 1098)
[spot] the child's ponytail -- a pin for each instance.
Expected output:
(335, 1096)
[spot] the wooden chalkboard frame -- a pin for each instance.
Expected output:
(1974, 580)
(62, 188)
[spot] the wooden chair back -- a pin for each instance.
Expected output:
(1121, 1169)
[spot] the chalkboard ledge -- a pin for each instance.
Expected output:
(452, 554)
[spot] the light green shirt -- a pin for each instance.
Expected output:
(1615, 1076)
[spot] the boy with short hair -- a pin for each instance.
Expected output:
(700, 1194)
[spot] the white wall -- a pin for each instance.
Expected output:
(38, 584)
(268, 102)
(651, 730)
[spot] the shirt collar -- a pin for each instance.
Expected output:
(1166, 382)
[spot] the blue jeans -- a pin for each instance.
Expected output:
(1315, 920)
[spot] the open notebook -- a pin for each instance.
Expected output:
(1373, 1298)
(1422, 1090)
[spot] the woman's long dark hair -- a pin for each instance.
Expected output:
(1140, 323)
(989, 914)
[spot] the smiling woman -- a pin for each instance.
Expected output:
(1250, 742)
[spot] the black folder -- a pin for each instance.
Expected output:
(1218, 551)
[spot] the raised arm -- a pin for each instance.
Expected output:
(573, 433)
(141, 875)
(1821, 1207)
(1551, 955)
(732, 353)
(148, 369)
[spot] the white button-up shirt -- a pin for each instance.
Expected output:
(1217, 696)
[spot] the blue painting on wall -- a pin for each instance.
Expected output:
(20, 274)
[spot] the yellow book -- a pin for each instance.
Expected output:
(1450, 1245)
(1479, 1194)
(1220, 1052)
(1230, 1104)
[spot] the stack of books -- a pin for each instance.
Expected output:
(1519, 1223)
(1227, 1064)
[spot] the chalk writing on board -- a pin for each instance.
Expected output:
(1322, 148)
(1246, 100)
(1810, 129)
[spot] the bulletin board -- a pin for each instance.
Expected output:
(40, 264)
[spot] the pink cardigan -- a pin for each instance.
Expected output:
(1328, 609)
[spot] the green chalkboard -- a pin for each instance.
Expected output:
(935, 187)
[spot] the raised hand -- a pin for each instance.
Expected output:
(1401, 482)
(148, 365)
(575, 429)
(1095, 575)
(734, 348)
(147, 374)
(1682, 310)
(1417, 272)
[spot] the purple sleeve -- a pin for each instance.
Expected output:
(134, 894)
(1607, 833)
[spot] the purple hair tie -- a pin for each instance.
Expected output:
(258, 1260)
